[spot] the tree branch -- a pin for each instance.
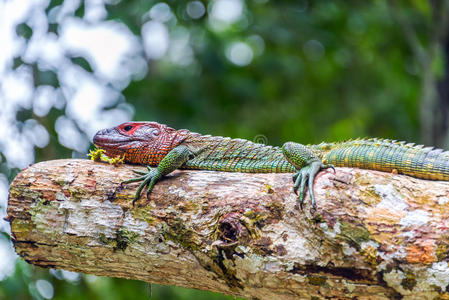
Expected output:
(372, 234)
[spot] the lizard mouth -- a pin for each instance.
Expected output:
(105, 138)
(113, 142)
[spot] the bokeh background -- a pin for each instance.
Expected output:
(305, 71)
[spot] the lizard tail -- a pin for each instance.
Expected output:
(391, 156)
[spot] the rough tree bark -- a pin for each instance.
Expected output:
(373, 235)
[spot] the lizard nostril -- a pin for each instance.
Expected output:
(99, 136)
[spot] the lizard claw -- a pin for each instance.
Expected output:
(297, 180)
(295, 176)
(138, 172)
(305, 177)
(148, 178)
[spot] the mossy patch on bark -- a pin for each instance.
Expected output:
(123, 237)
(353, 234)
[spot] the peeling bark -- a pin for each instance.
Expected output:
(373, 235)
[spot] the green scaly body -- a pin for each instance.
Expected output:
(237, 155)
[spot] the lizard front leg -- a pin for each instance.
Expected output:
(172, 161)
(307, 165)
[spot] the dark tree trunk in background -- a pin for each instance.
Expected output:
(433, 107)
(443, 99)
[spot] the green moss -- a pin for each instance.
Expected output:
(318, 218)
(175, 231)
(369, 192)
(123, 237)
(317, 280)
(354, 235)
(276, 209)
(370, 255)
(250, 214)
(436, 288)
(18, 226)
(252, 225)
(38, 211)
(255, 218)
(23, 192)
(143, 213)
(103, 239)
(37, 207)
(269, 188)
(61, 181)
(409, 282)
(442, 251)
(124, 197)
(76, 195)
(186, 206)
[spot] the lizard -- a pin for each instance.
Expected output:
(160, 146)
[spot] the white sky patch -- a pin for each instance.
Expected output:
(7, 254)
(69, 136)
(45, 98)
(228, 11)
(224, 13)
(70, 276)
(16, 90)
(94, 10)
(4, 187)
(180, 51)
(161, 12)
(58, 13)
(36, 133)
(17, 149)
(195, 9)
(415, 218)
(239, 53)
(46, 50)
(108, 46)
(17, 87)
(155, 39)
(45, 288)
(11, 14)
(7, 259)
(88, 98)
(37, 20)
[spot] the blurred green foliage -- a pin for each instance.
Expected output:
(321, 70)
(361, 86)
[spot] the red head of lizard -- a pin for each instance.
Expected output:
(139, 142)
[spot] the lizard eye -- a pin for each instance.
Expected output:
(127, 128)
(156, 132)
